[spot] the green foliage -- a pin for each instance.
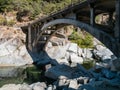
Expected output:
(34, 7)
(83, 40)
(10, 23)
(2, 21)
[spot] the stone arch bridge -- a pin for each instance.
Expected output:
(81, 14)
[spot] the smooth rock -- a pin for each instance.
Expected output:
(3, 51)
(75, 59)
(11, 87)
(62, 81)
(38, 86)
(14, 61)
(67, 55)
(102, 53)
(49, 45)
(25, 87)
(57, 53)
(100, 47)
(72, 48)
(50, 87)
(73, 84)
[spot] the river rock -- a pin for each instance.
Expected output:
(57, 52)
(13, 61)
(49, 45)
(25, 86)
(11, 87)
(13, 52)
(72, 48)
(50, 87)
(102, 53)
(62, 81)
(73, 84)
(38, 86)
(75, 59)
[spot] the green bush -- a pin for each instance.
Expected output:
(84, 40)
(35, 7)
(2, 21)
(11, 22)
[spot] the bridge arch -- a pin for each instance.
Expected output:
(105, 38)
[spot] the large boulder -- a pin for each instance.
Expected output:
(73, 84)
(76, 59)
(102, 53)
(57, 52)
(38, 86)
(73, 48)
(11, 87)
(12, 49)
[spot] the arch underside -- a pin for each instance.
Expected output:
(105, 38)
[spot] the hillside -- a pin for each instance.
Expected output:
(14, 11)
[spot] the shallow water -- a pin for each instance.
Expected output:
(18, 75)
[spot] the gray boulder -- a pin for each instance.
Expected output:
(38, 86)
(76, 59)
(102, 53)
(72, 48)
(73, 84)
(57, 52)
(14, 53)
(11, 87)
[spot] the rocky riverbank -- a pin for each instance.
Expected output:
(66, 66)
(12, 47)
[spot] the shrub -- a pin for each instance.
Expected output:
(83, 41)
(11, 22)
(3, 21)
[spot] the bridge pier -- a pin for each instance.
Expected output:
(29, 38)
